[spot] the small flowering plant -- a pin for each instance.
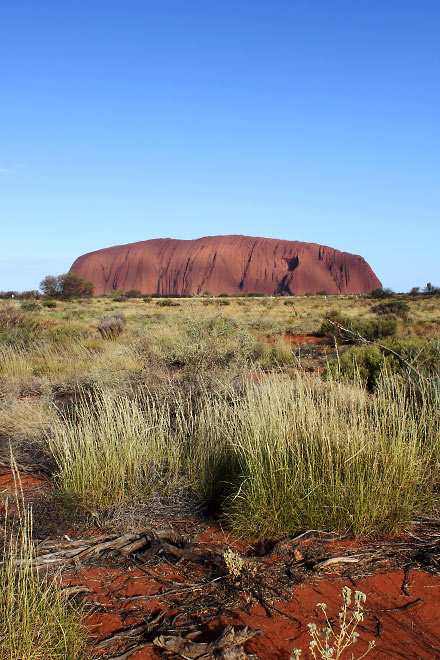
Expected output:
(330, 644)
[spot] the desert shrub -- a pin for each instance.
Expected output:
(367, 362)
(17, 326)
(206, 344)
(30, 306)
(166, 302)
(332, 641)
(396, 307)
(359, 364)
(120, 299)
(133, 293)
(111, 326)
(368, 329)
(28, 295)
(222, 302)
(381, 293)
(147, 299)
(431, 290)
(50, 304)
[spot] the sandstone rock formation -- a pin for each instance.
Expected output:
(226, 264)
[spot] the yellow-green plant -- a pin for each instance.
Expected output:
(234, 563)
(332, 641)
(37, 621)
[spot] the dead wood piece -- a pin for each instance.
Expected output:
(337, 560)
(227, 647)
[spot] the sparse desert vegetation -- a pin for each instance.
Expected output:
(270, 416)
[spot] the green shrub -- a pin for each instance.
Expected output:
(30, 306)
(368, 362)
(396, 307)
(50, 304)
(210, 343)
(381, 293)
(133, 293)
(370, 330)
(166, 302)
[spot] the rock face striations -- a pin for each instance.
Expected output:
(226, 264)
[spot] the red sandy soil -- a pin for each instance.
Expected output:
(408, 634)
(226, 264)
(299, 340)
(404, 626)
(28, 482)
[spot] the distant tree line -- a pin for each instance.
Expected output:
(67, 286)
(72, 285)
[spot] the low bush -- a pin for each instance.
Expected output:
(396, 307)
(30, 306)
(166, 302)
(336, 326)
(366, 363)
(50, 304)
(133, 293)
(208, 344)
(111, 326)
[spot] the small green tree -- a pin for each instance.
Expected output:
(49, 286)
(72, 285)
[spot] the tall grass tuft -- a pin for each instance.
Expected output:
(327, 456)
(37, 621)
(114, 447)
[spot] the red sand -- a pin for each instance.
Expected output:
(408, 634)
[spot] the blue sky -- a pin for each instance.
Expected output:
(312, 120)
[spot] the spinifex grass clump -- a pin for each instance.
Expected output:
(37, 621)
(313, 455)
(114, 447)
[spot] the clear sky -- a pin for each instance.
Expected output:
(311, 120)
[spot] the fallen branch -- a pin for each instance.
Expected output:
(227, 647)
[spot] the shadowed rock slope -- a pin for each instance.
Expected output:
(226, 264)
